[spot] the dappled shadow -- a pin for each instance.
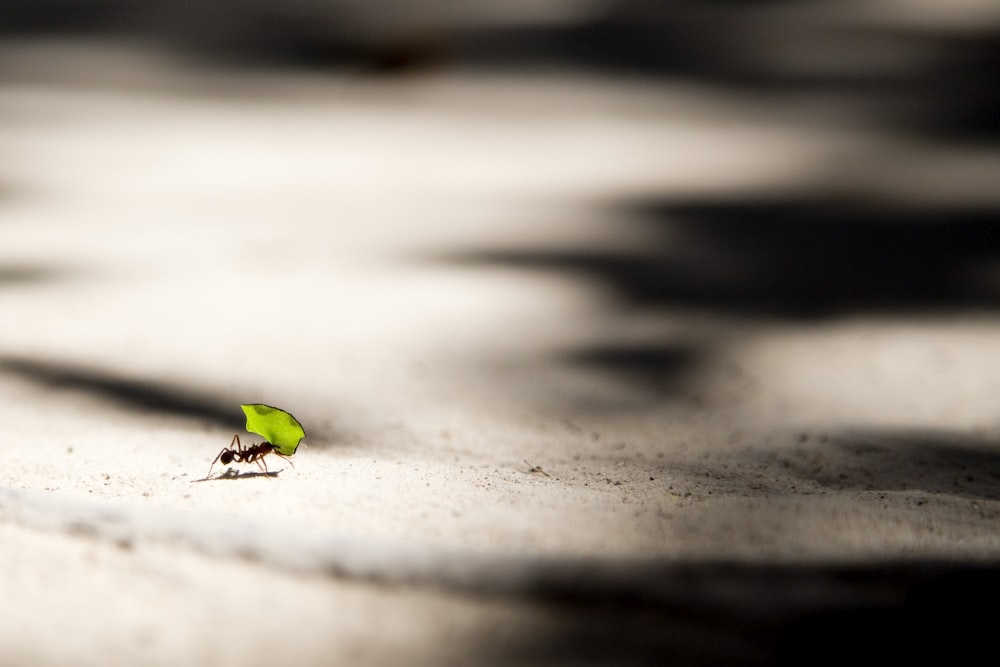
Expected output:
(932, 78)
(734, 613)
(148, 396)
(790, 258)
(819, 256)
(919, 78)
(658, 368)
(133, 394)
(760, 261)
(12, 275)
(954, 98)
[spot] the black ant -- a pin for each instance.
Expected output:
(249, 454)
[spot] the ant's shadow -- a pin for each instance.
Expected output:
(232, 473)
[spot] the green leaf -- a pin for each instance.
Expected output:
(276, 426)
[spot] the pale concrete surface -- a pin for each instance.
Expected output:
(515, 454)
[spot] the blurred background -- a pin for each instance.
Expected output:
(632, 185)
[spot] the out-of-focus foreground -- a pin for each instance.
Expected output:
(622, 333)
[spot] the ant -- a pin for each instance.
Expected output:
(249, 454)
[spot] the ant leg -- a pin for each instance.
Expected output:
(219, 456)
(259, 452)
(263, 465)
(235, 450)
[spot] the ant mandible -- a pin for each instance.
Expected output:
(248, 454)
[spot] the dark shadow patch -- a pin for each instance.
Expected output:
(954, 97)
(132, 394)
(659, 369)
(824, 256)
(22, 18)
(802, 258)
(150, 396)
(731, 613)
(939, 85)
(22, 275)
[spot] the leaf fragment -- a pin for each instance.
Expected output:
(275, 425)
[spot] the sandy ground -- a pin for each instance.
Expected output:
(517, 452)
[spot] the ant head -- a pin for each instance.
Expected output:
(227, 457)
